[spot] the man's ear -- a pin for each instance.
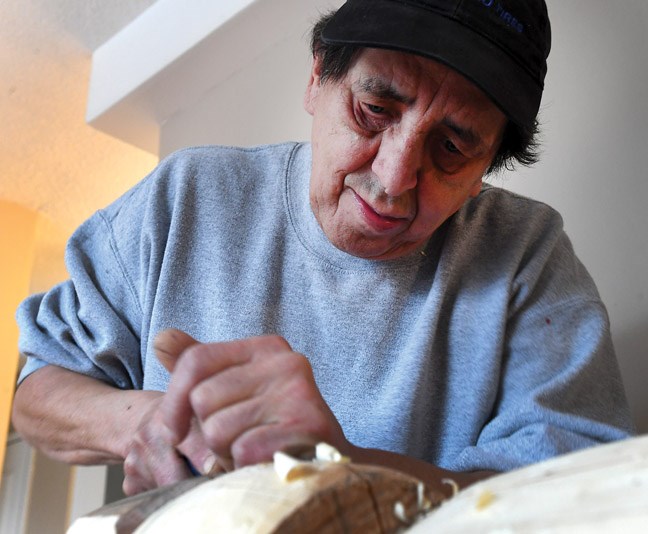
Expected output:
(314, 84)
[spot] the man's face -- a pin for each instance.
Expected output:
(398, 145)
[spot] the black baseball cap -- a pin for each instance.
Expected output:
(500, 45)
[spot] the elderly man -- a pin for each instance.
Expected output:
(366, 290)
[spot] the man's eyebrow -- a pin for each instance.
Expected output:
(381, 89)
(467, 135)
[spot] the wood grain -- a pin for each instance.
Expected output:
(350, 498)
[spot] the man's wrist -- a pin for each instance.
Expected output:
(133, 407)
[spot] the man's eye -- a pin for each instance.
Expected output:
(378, 110)
(451, 147)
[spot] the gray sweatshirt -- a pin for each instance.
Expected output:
(488, 349)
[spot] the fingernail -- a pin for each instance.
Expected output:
(210, 463)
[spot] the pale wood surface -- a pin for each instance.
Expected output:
(126, 515)
(603, 489)
(336, 497)
(348, 498)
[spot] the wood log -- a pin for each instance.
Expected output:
(330, 497)
(339, 498)
(598, 490)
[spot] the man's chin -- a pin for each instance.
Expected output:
(371, 250)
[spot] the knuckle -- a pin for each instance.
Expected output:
(246, 451)
(130, 466)
(200, 402)
(306, 423)
(302, 387)
(274, 342)
(287, 364)
(216, 437)
(190, 362)
(299, 365)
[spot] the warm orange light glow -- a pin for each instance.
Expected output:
(17, 230)
(31, 252)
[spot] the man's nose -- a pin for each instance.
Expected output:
(399, 162)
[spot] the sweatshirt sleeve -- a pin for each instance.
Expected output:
(93, 323)
(560, 387)
(88, 323)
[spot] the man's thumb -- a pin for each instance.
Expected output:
(169, 345)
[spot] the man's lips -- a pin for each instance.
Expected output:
(376, 220)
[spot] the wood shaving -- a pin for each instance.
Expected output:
(327, 453)
(484, 500)
(289, 468)
(399, 512)
(452, 483)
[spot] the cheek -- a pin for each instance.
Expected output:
(337, 161)
(435, 205)
(325, 190)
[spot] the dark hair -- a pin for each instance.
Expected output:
(519, 144)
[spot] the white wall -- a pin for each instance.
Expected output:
(594, 168)
(259, 103)
(595, 116)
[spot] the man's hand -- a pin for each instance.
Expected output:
(151, 460)
(256, 396)
(249, 398)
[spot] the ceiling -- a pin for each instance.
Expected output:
(50, 160)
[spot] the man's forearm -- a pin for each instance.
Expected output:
(77, 419)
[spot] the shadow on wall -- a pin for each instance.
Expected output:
(632, 350)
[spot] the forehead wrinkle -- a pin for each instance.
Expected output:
(380, 88)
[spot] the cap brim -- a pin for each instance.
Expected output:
(446, 40)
